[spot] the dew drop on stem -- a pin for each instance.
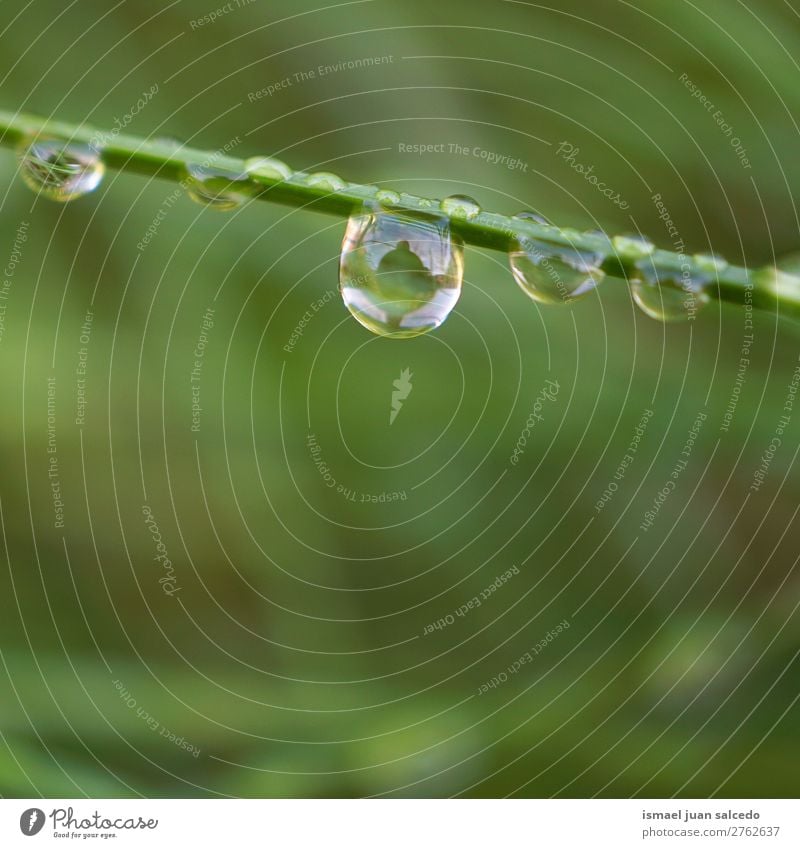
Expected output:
(59, 170)
(460, 206)
(668, 295)
(554, 274)
(217, 188)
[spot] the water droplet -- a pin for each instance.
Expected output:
(533, 216)
(635, 246)
(710, 263)
(264, 169)
(668, 295)
(400, 275)
(58, 170)
(217, 188)
(386, 197)
(327, 182)
(554, 274)
(460, 206)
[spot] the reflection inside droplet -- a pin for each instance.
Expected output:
(400, 275)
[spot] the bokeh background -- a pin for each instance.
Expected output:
(296, 655)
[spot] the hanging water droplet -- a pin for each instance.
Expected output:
(668, 295)
(264, 169)
(58, 170)
(635, 246)
(460, 206)
(216, 188)
(400, 275)
(327, 182)
(387, 197)
(554, 274)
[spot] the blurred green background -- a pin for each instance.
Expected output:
(293, 659)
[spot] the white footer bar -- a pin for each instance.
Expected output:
(402, 823)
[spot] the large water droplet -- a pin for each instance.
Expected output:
(58, 170)
(217, 188)
(668, 295)
(553, 274)
(460, 206)
(400, 275)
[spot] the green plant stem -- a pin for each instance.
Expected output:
(765, 287)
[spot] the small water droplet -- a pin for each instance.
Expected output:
(634, 245)
(668, 295)
(387, 197)
(58, 170)
(327, 182)
(554, 274)
(216, 188)
(710, 263)
(400, 275)
(262, 168)
(535, 217)
(460, 206)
